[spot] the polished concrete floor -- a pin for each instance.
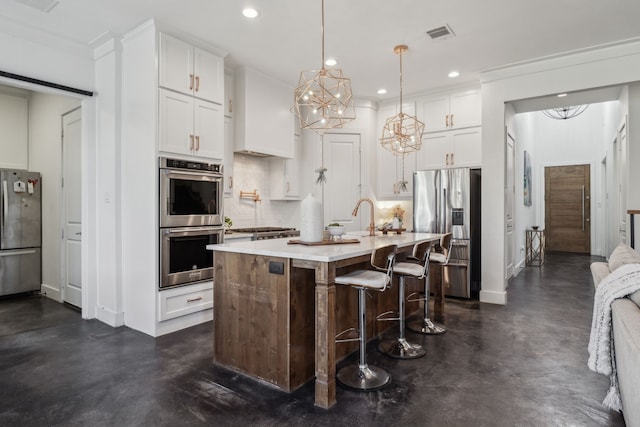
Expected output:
(523, 364)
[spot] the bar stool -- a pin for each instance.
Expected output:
(362, 376)
(399, 347)
(425, 325)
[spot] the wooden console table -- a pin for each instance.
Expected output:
(535, 247)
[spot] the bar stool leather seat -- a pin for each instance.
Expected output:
(364, 377)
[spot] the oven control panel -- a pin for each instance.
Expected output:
(190, 165)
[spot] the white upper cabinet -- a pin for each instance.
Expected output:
(457, 148)
(190, 70)
(229, 92)
(190, 126)
(285, 174)
(451, 111)
(264, 123)
(14, 123)
(191, 97)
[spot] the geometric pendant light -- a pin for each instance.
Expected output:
(323, 99)
(564, 113)
(402, 133)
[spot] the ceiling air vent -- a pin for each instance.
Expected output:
(441, 33)
(45, 6)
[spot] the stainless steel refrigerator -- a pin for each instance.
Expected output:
(20, 231)
(448, 200)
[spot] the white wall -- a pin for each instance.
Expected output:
(550, 142)
(610, 66)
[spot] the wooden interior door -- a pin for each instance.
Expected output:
(567, 208)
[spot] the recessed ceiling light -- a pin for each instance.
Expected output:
(453, 74)
(562, 95)
(330, 62)
(382, 91)
(250, 12)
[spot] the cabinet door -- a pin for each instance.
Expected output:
(176, 122)
(208, 70)
(292, 171)
(466, 147)
(435, 151)
(434, 113)
(228, 157)
(208, 128)
(284, 175)
(176, 64)
(465, 109)
(229, 93)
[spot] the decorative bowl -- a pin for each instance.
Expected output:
(535, 227)
(336, 231)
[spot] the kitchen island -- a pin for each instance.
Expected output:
(277, 308)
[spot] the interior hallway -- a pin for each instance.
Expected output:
(521, 364)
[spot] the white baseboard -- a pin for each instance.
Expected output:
(493, 297)
(109, 317)
(519, 267)
(51, 292)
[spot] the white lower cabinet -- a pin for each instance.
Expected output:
(457, 148)
(185, 300)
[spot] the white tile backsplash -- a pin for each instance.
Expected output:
(252, 173)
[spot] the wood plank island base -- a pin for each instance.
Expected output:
(277, 308)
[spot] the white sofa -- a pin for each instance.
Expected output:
(626, 334)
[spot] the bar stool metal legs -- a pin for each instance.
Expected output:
(425, 325)
(362, 376)
(399, 347)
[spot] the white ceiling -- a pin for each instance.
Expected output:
(360, 34)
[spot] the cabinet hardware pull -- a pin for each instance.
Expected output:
(447, 161)
(197, 83)
(190, 141)
(446, 121)
(231, 106)
(230, 182)
(194, 299)
(197, 142)
(190, 81)
(451, 120)
(583, 208)
(452, 161)
(288, 186)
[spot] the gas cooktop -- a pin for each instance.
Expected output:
(260, 233)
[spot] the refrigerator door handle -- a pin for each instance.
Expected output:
(5, 202)
(18, 252)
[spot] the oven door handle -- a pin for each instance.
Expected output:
(200, 175)
(193, 230)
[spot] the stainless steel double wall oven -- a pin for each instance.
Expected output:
(190, 218)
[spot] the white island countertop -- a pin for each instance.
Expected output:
(323, 253)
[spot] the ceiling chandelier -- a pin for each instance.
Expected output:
(564, 113)
(402, 133)
(323, 98)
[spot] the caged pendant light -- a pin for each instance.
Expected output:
(564, 113)
(323, 98)
(402, 133)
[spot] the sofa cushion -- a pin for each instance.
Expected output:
(599, 270)
(621, 255)
(635, 297)
(626, 339)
